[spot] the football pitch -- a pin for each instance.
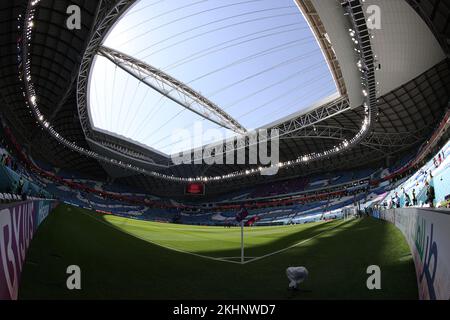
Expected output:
(124, 258)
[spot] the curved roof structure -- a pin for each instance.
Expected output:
(248, 63)
(408, 106)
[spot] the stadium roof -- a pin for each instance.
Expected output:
(257, 60)
(408, 108)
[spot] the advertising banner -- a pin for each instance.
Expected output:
(18, 223)
(428, 236)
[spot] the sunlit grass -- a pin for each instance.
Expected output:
(214, 240)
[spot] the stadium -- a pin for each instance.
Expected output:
(225, 150)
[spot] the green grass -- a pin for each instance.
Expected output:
(123, 258)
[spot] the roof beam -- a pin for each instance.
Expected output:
(172, 88)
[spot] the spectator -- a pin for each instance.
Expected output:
(407, 199)
(414, 199)
(396, 201)
(20, 185)
(8, 161)
(430, 194)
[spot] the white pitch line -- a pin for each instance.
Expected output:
(226, 258)
(294, 245)
(223, 259)
(234, 257)
(158, 244)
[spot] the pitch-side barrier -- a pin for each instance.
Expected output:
(18, 224)
(427, 232)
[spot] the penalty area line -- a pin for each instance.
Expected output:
(294, 245)
(158, 244)
(220, 259)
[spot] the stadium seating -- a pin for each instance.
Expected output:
(439, 179)
(299, 200)
(10, 180)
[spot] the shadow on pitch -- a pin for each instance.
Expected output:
(283, 242)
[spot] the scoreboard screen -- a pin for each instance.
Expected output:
(196, 189)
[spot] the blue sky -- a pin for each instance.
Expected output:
(257, 59)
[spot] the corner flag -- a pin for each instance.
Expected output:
(240, 216)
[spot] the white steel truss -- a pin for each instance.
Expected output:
(357, 19)
(172, 88)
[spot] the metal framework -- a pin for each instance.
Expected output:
(108, 16)
(326, 132)
(379, 140)
(366, 63)
(56, 52)
(172, 88)
(134, 161)
(313, 117)
(288, 128)
(383, 139)
(321, 113)
(354, 9)
(367, 69)
(137, 155)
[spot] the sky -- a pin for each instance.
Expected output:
(256, 59)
